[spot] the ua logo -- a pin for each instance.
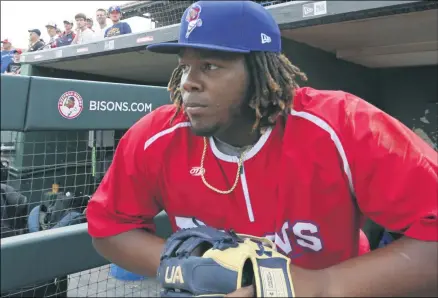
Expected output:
(265, 38)
(197, 171)
(175, 275)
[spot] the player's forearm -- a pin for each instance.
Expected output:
(407, 267)
(136, 251)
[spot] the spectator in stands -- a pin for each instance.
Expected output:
(101, 17)
(7, 54)
(35, 41)
(51, 30)
(118, 28)
(58, 32)
(14, 68)
(90, 24)
(83, 33)
(67, 36)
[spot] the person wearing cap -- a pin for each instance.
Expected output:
(90, 24)
(7, 54)
(35, 41)
(67, 36)
(83, 33)
(14, 68)
(51, 31)
(118, 27)
(244, 147)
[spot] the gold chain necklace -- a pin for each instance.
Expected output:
(239, 167)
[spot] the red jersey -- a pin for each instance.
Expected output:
(307, 184)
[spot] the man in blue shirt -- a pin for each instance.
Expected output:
(118, 28)
(67, 36)
(7, 54)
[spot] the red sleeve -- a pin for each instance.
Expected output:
(394, 172)
(127, 197)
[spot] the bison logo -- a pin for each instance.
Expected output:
(70, 105)
(193, 18)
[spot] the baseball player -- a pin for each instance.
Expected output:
(243, 147)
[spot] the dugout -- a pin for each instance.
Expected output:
(53, 118)
(383, 51)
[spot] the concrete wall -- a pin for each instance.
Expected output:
(325, 71)
(410, 94)
(66, 74)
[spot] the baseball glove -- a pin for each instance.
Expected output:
(204, 261)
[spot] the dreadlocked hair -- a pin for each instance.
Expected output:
(273, 79)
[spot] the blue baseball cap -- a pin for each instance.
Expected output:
(114, 8)
(228, 26)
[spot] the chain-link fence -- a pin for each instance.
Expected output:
(96, 282)
(165, 13)
(52, 171)
(47, 179)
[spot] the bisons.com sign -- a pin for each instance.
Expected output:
(71, 105)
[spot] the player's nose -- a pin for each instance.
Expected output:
(190, 82)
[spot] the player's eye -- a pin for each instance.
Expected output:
(209, 66)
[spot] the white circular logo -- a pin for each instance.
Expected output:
(70, 105)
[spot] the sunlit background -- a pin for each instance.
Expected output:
(17, 17)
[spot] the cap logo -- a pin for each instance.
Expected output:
(193, 18)
(265, 38)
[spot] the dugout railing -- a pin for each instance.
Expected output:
(58, 136)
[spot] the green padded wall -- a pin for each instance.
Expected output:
(60, 104)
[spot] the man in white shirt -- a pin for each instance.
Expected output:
(101, 17)
(51, 30)
(83, 33)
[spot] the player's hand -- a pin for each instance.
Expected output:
(186, 272)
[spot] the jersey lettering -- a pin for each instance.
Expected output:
(306, 234)
(304, 240)
(283, 241)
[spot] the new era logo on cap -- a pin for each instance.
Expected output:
(265, 38)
